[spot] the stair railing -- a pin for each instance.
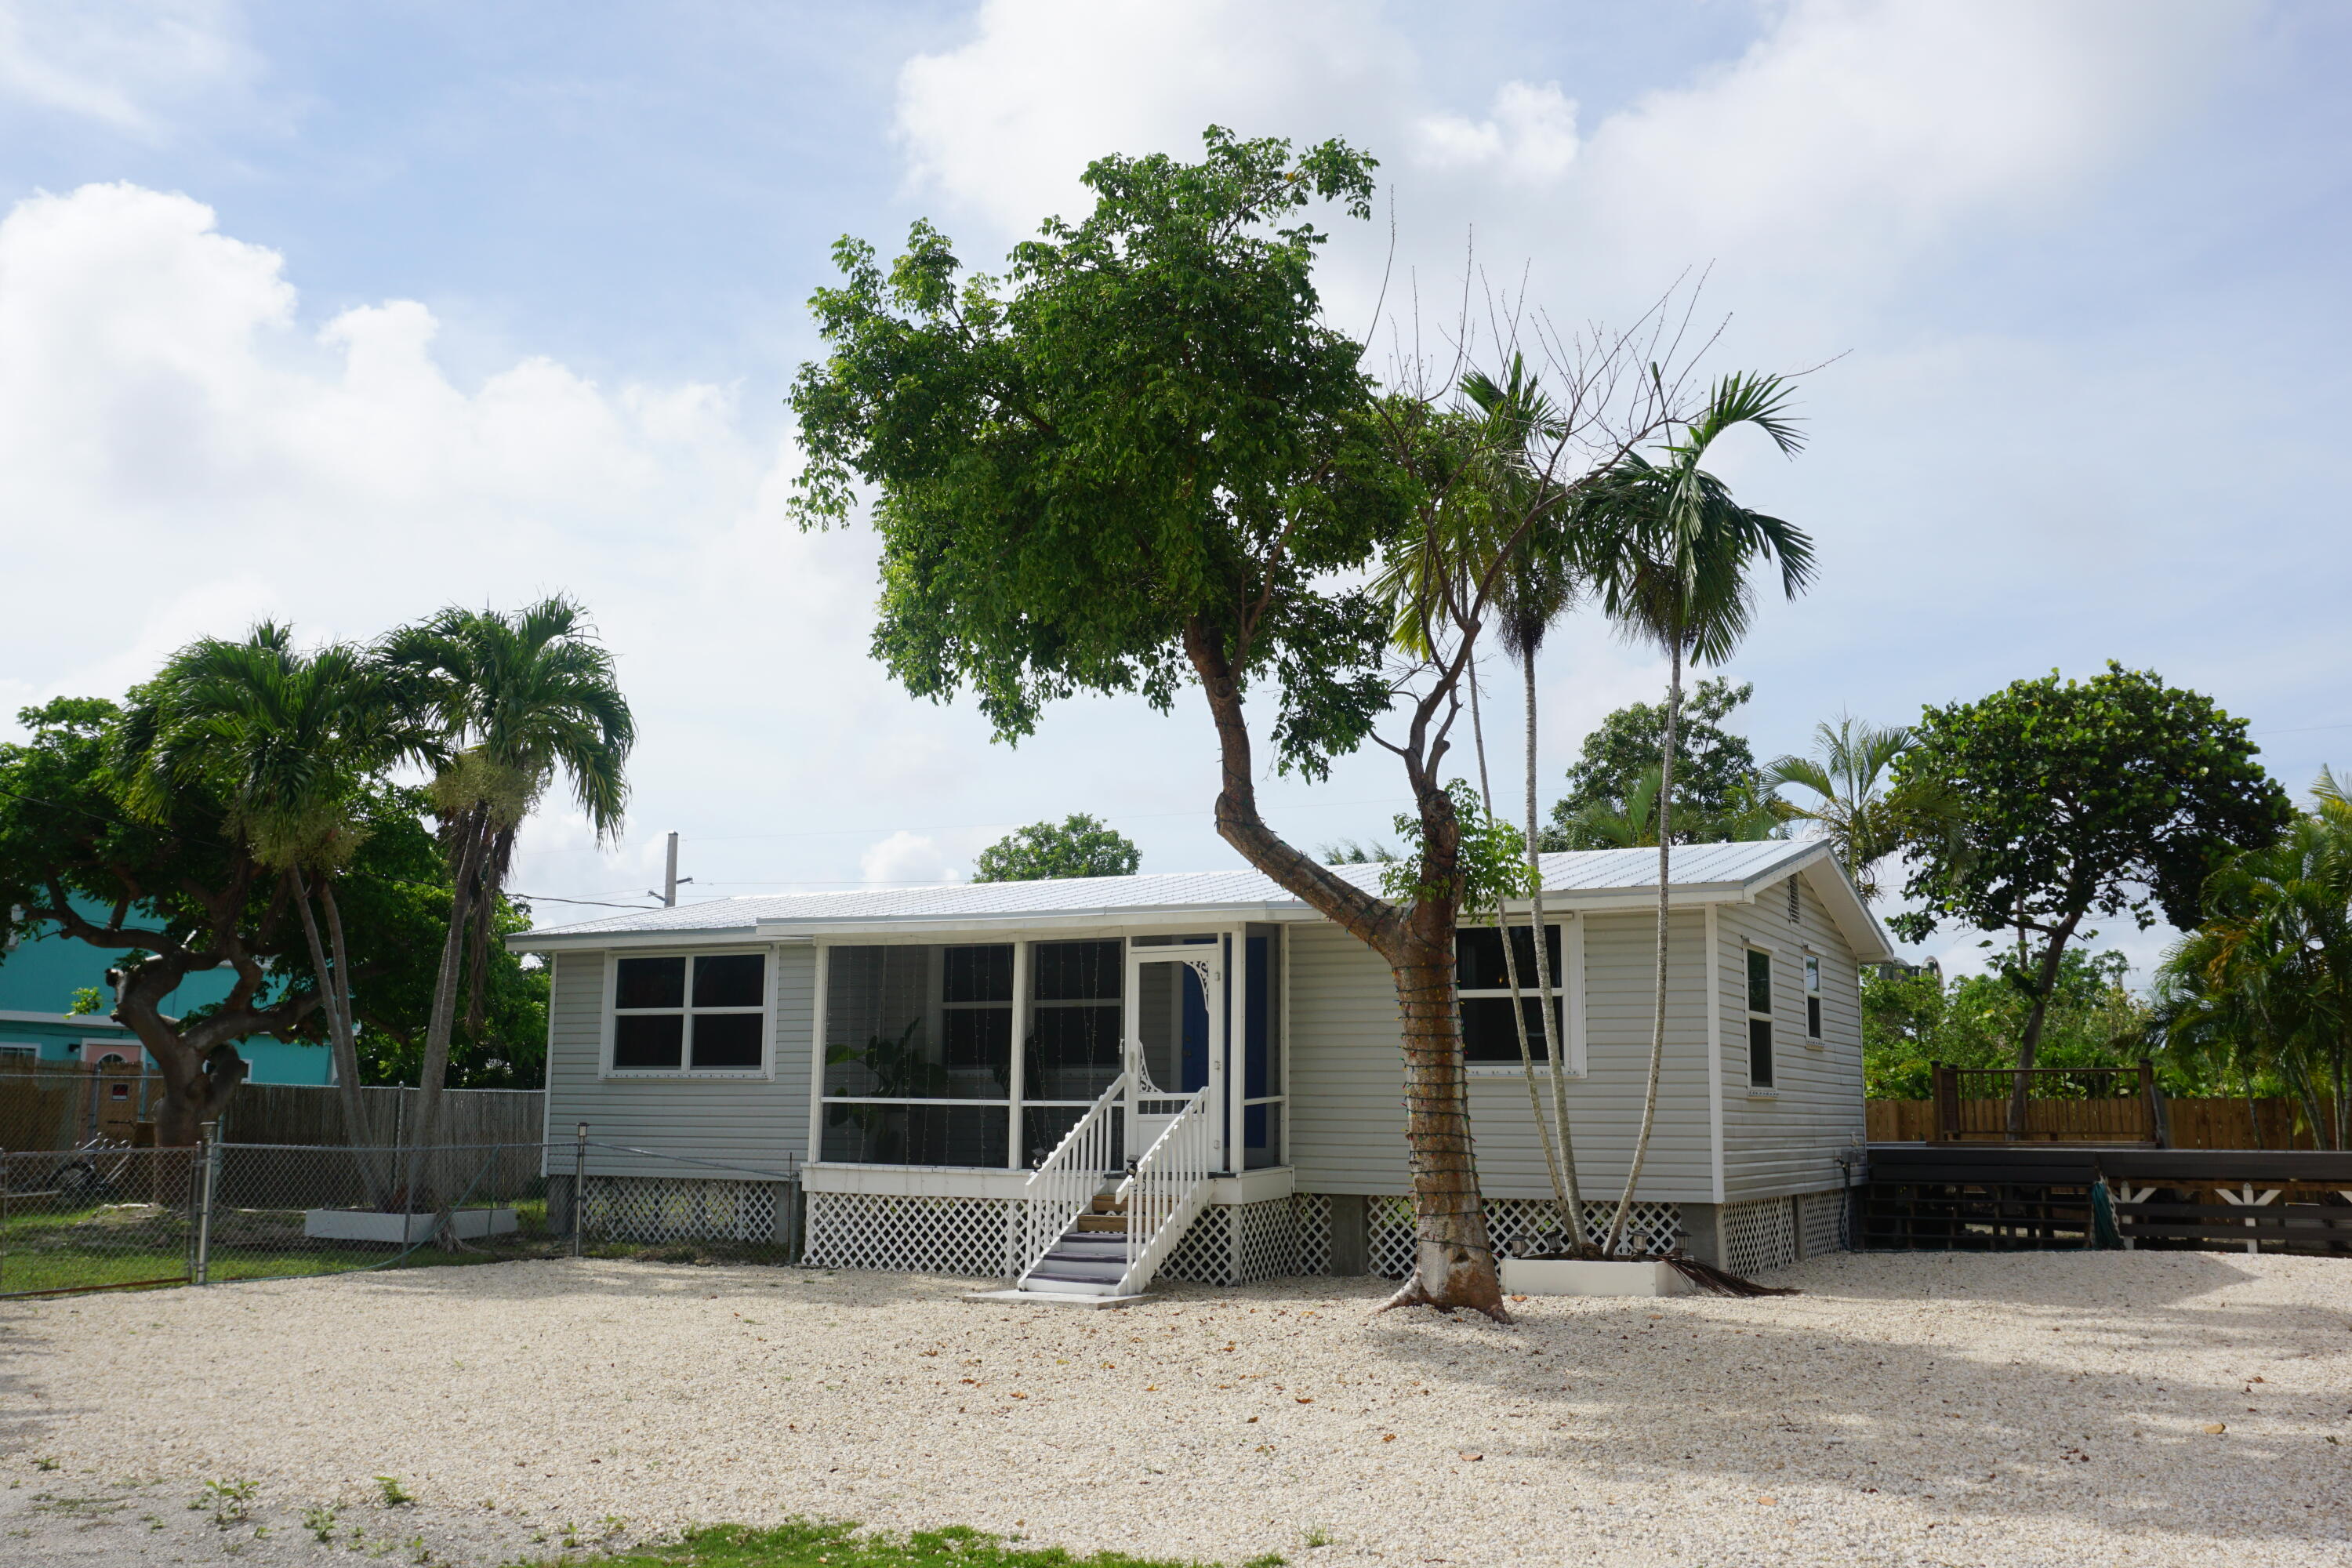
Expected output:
(1166, 1190)
(1069, 1180)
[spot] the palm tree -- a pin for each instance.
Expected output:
(1632, 823)
(1855, 814)
(1539, 584)
(286, 743)
(1671, 560)
(515, 699)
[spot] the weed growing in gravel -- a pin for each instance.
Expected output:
(45, 1464)
(1316, 1536)
(319, 1518)
(394, 1494)
(808, 1543)
(230, 1501)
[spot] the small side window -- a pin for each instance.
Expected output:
(1760, 1018)
(1813, 996)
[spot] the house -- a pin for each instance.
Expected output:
(1237, 1050)
(40, 977)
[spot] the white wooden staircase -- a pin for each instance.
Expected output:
(1094, 1234)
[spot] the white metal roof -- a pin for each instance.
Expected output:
(1581, 876)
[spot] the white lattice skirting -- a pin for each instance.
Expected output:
(1759, 1237)
(1516, 1226)
(660, 1209)
(914, 1235)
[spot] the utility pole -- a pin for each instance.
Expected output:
(670, 878)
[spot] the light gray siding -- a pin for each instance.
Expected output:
(1788, 1142)
(759, 1121)
(1347, 1072)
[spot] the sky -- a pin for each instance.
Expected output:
(339, 314)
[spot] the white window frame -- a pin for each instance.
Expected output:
(1769, 1018)
(1815, 1027)
(1569, 983)
(683, 1072)
(9, 1048)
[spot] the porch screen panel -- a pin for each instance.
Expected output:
(1262, 1052)
(917, 1054)
(1072, 1051)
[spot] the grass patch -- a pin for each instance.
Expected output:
(805, 1543)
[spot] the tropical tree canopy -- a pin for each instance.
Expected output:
(1715, 774)
(1912, 1021)
(2057, 802)
(1077, 846)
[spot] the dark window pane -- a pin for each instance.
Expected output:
(901, 1067)
(1261, 1023)
(1478, 957)
(1261, 1136)
(1073, 1052)
(979, 973)
(1759, 1052)
(647, 1039)
(1489, 1036)
(651, 983)
(1759, 981)
(915, 1134)
(1076, 971)
(730, 980)
(727, 1039)
(1042, 1128)
(978, 1051)
(1813, 1018)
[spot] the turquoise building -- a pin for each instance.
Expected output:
(39, 978)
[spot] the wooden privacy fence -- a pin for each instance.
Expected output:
(61, 1105)
(2193, 1123)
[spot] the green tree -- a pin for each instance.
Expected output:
(1080, 846)
(1142, 460)
(514, 701)
(2061, 800)
(1846, 775)
(1715, 775)
(291, 746)
(1912, 1021)
(1633, 822)
(1670, 555)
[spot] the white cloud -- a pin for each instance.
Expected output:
(1530, 134)
(904, 858)
(129, 65)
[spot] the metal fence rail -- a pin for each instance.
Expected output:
(110, 1217)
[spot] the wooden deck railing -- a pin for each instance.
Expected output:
(2071, 1105)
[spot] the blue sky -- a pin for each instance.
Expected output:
(338, 313)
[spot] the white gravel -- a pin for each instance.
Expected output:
(2009, 1410)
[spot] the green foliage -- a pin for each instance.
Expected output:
(1717, 781)
(1080, 846)
(1492, 863)
(1348, 852)
(1144, 431)
(1846, 775)
(805, 1543)
(1911, 1021)
(2055, 800)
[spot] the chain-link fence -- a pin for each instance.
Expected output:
(107, 1217)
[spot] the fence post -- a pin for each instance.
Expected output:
(208, 1147)
(3, 1215)
(579, 1188)
(1947, 1101)
(2159, 1119)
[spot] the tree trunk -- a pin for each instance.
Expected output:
(336, 993)
(1454, 1260)
(1570, 1227)
(441, 1022)
(1572, 1200)
(1658, 1000)
(2029, 1045)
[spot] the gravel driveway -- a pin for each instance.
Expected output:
(2021, 1409)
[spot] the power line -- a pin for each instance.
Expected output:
(599, 904)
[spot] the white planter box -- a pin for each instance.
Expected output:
(1580, 1277)
(366, 1224)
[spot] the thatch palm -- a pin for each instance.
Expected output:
(286, 744)
(1632, 823)
(515, 699)
(1670, 558)
(1850, 760)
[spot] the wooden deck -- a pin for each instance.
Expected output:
(1972, 1196)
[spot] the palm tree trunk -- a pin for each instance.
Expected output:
(340, 1045)
(376, 1174)
(1571, 1197)
(1568, 1236)
(1658, 1001)
(473, 829)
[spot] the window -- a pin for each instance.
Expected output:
(1813, 998)
(8, 1049)
(1760, 1018)
(704, 1013)
(917, 1054)
(1489, 1038)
